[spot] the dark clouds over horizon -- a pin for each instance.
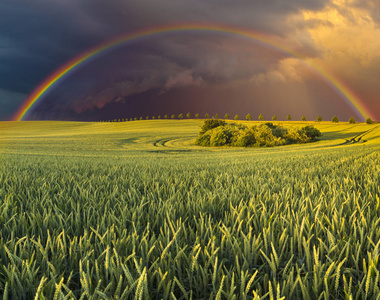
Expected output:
(182, 72)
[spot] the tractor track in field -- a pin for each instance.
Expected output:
(358, 138)
(161, 143)
(163, 147)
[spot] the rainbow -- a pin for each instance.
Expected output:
(348, 95)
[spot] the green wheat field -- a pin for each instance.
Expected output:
(135, 210)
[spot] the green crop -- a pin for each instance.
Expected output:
(135, 210)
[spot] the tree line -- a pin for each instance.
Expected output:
(248, 117)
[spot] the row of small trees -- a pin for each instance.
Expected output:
(248, 117)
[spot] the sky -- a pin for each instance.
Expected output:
(190, 71)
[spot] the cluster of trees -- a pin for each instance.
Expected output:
(248, 117)
(219, 133)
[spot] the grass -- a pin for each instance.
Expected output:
(135, 210)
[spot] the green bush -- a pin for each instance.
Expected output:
(222, 135)
(210, 124)
(311, 132)
(204, 139)
(369, 121)
(294, 136)
(279, 131)
(352, 120)
(219, 133)
(270, 125)
(245, 137)
(335, 119)
(265, 137)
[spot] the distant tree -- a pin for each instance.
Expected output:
(288, 117)
(135, 119)
(303, 118)
(207, 116)
(166, 116)
(196, 115)
(369, 121)
(248, 117)
(335, 119)
(147, 117)
(236, 117)
(180, 116)
(274, 118)
(123, 120)
(216, 116)
(173, 116)
(131, 119)
(352, 120)
(188, 115)
(141, 118)
(153, 117)
(159, 117)
(319, 119)
(226, 116)
(115, 120)
(261, 117)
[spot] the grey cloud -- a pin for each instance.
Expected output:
(373, 7)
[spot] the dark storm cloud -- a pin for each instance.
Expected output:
(161, 63)
(8, 103)
(54, 30)
(38, 36)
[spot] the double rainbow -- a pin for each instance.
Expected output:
(348, 95)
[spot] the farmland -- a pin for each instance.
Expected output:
(135, 210)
